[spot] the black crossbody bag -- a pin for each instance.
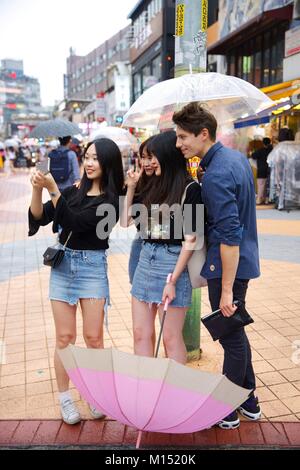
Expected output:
(53, 256)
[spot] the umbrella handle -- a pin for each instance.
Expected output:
(163, 319)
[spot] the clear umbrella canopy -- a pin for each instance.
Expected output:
(228, 98)
(123, 138)
(11, 143)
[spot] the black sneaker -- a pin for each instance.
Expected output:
(250, 409)
(230, 422)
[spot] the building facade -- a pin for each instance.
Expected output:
(90, 90)
(260, 42)
(151, 43)
(20, 99)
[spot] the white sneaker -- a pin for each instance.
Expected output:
(69, 412)
(95, 413)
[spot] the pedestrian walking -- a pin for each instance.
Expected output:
(261, 156)
(64, 165)
(232, 257)
(82, 274)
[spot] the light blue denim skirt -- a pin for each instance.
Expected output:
(82, 274)
(155, 263)
(134, 256)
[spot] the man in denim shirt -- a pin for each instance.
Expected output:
(228, 194)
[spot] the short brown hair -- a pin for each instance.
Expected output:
(194, 118)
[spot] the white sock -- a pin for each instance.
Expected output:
(63, 396)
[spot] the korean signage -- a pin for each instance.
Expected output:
(292, 42)
(100, 107)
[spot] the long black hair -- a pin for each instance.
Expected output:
(168, 188)
(112, 178)
(144, 180)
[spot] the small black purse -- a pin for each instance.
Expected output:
(53, 256)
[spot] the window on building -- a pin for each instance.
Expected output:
(266, 59)
(137, 85)
(146, 72)
(260, 60)
(156, 67)
(213, 12)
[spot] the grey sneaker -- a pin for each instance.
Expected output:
(96, 414)
(69, 412)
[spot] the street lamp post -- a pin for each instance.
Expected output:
(190, 57)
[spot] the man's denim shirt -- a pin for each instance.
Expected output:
(229, 197)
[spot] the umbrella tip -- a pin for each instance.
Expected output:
(138, 441)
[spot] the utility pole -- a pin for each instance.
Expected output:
(190, 57)
(190, 36)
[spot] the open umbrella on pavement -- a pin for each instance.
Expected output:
(55, 128)
(150, 394)
(228, 98)
(157, 395)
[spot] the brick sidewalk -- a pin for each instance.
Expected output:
(27, 381)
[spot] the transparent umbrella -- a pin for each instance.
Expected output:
(11, 143)
(228, 98)
(123, 138)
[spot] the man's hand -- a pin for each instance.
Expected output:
(226, 303)
(200, 173)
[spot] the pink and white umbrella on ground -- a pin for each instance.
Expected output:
(150, 394)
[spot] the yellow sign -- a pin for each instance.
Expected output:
(204, 16)
(180, 20)
(193, 165)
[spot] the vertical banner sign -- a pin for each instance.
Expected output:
(179, 20)
(190, 36)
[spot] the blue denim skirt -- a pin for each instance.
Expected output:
(82, 274)
(134, 256)
(155, 263)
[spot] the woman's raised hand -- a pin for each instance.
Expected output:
(39, 180)
(133, 177)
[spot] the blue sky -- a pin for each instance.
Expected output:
(41, 32)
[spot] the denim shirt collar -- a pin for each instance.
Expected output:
(209, 155)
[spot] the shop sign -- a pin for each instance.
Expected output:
(292, 42)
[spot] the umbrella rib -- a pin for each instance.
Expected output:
(116, 394)
(203, 403)
(160, 391)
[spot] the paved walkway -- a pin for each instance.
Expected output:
(27, 337)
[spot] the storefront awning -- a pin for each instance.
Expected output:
(283, 90)
(282, 106)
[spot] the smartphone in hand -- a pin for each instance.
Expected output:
(43, 166)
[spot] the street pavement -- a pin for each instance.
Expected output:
(27, 335)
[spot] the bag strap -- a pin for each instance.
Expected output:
(69, 236)
(184, 193)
